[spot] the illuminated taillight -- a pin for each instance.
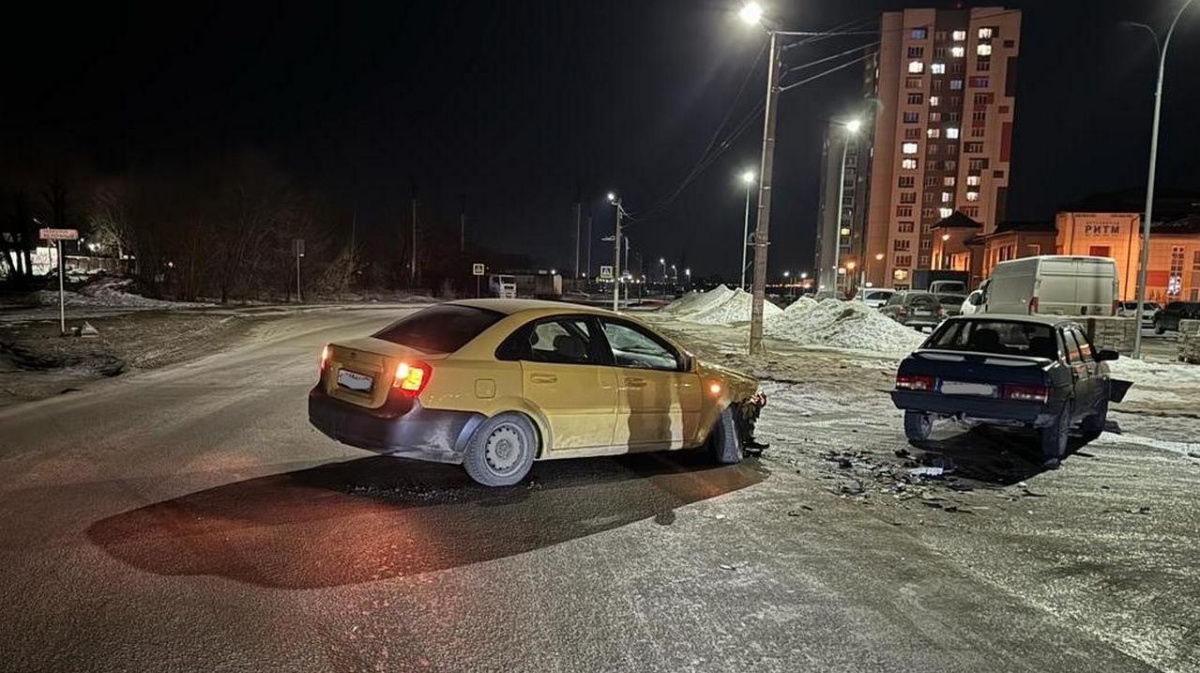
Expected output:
(901, 311)
(1026, 393)
(1033, 305)
(714, 388)
(324, 358)
(411, 379)
(914, 382)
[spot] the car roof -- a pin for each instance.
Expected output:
(1051, 320)
(514, 306)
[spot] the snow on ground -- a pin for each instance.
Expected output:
(842, 324)
(1176, 376)
(698, 302)
(735, 308)
(106, 292)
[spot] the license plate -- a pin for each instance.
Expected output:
(963, 388)
(922, 312)
(359, 383)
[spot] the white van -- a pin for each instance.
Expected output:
(1052, 285)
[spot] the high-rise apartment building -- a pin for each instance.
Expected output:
(942, 105)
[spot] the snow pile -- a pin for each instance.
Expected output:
(842, 324)
(698, 302)
(735, 308)
(1176, 376)
(105, 292)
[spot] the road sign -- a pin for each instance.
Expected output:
(58, 234)
(606, 272)
(477, 269)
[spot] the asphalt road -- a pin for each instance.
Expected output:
(188, 519)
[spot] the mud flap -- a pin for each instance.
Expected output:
(1117, 389)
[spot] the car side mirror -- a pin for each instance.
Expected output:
(1106, 355)
(975, 299)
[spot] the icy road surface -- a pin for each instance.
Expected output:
(188, 519)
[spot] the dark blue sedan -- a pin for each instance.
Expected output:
(1038, 372)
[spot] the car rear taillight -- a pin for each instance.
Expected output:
(914, 382)
(324, 359)
(1033, 305)
(411, 379)
(901, 311)
(1026, 393)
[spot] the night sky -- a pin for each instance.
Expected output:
(513, 107)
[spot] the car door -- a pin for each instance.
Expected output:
(1084, 370)
(658, 403)
(565, 374)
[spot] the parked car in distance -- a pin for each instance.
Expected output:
(972, 304)
(1168, 317)
(494, 385)
(948, 286)
(920, 310)
(1037, 372)
(1052, 285)
(952, 303)
(1128, 309)
(874, 297)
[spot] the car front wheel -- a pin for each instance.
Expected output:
(501, 450)
(1158, 328)
(918, 426)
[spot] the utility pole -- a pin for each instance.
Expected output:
(1158, 96)
(761, 230)
(616, 303)
(589, 244)
(413, 269)
(578, 219)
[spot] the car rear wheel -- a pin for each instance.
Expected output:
(724, 441)
(1093, 425)
(501, 450)
(917, 426)
(1054, 436)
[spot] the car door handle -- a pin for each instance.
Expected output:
(635, 383)
(543, 378)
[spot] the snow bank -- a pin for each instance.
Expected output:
(698, 302)
(105, 292)
(1172, 375)
(735, 308)
(842, 324)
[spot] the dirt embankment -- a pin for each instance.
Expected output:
(36, 362)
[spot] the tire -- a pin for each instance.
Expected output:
(724, 440)
(1093, 425)
(1054, 436)
(917, 426)
(501, 450)
(1158, 328)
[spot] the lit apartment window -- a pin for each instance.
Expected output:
(945, 212)
(947, 197)
(948, 181)
(915, 98)
(955, 84)
(952, 133)
(933, 133)
(972, 180)
(972, 196)
(958, 35)
(845, 232)
(933, 101)
(908, 148)
(957, 52)
(937, 68)
(919, 33)
(908, 164)
(985, 33)
(916, 67)
(983, 49)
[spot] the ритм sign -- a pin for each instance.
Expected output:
(1102, 229)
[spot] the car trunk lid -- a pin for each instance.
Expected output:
(976, 368)
(361, 371)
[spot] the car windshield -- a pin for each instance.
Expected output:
(999, 337)
(955, 299)
(439, 329)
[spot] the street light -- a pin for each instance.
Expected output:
(748, 180)
(852, 128)
(1158, 96)
(751, 13)
(616, 299)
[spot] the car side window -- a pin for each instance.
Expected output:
(1085, 346)
(896, 299)
(1074, 355)
(633, 347)
(561, 341)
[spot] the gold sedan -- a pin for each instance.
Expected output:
(495, 384)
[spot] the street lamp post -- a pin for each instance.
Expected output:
(867, 267)
(748, 180)
(663, 263)
(1158, 96)
(616, 301)
(852, 127)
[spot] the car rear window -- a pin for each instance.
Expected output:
(997, 337)
(439, 329)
